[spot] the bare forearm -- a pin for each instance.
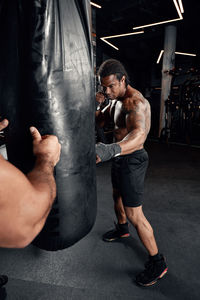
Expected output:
(44, 192)
(132, 141)
(42, 179)
(26, 200)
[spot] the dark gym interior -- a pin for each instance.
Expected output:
(82, 35)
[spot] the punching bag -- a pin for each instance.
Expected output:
(46, 80)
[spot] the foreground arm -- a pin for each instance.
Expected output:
(25, 201)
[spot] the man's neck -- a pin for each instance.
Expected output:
(126, 93)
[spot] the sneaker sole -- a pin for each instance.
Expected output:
(154, 281)
(117, 238)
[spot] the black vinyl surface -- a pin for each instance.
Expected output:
(47, 81)
(95, 270)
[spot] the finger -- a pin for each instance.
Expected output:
(3, 124)
(35, 134)
(98, 159)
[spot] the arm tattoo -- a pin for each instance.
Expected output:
(136, 117)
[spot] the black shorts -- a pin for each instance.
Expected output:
(127, 174)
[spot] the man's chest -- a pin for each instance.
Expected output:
(118, 114)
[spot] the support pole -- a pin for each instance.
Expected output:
(168, 64)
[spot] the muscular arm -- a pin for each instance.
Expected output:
(25, 201)
(136, 123)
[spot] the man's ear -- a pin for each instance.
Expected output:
(123, 78)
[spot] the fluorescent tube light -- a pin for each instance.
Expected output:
(163, 22)
(159, 57)
(189, 54)
(109, 43)
(120, 35)
(104, 39)
(158, 23)
(178, 9)
(94, 4)
(180, 53)
(181, 6)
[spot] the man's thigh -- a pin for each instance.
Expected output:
(132, 177)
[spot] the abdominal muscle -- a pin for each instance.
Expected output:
(119, 134)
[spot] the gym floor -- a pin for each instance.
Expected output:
(95, 270)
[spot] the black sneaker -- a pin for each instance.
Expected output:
(120, 231)
(3, 280)
(154, 270)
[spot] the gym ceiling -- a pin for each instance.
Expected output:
(118, 17)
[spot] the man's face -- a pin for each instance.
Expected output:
(112, 87)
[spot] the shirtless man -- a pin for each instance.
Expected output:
(131, 112)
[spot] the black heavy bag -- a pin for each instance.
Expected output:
(46, 80)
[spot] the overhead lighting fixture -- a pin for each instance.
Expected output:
(163, 22)
(180, 53)
(158, 23)
(109, 43)
(120, 35)
(159, 57)
(104, 39)
(94, 4)
(181, 6)
(178, 9)
(189, 54)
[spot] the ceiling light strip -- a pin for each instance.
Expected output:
(120, 35)
(154, 24)
(109, 43)
(104, 39)
(180, 53)
(189, 54)
(159, 57)
(163, 22)
(178, 9)
(181, 6)
(94, 4)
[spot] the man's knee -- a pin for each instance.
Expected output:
(134, 215)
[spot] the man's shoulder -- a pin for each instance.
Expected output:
(134, 96)
(138, 97)
(134, 102)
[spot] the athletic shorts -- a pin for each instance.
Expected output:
(128, 174)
